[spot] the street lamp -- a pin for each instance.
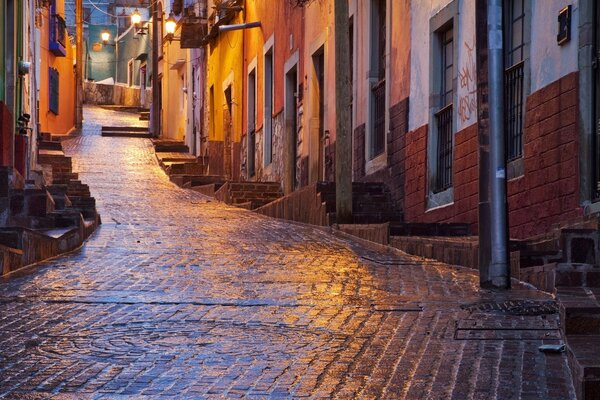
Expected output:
(170, 25)
(105, 35)
(136, 20)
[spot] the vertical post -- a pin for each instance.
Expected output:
(483, 127)
(499, 273)
(155, 128)
(79, 64)
(343, 116)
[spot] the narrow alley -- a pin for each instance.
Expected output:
(180, 296)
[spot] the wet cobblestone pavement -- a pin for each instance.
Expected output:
(178, 296)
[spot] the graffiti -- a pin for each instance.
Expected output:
(467, 101)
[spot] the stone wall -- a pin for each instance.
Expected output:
(95, 93)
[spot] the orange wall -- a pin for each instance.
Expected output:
(65, 120)
(279, 19)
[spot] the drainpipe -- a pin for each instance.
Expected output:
(499, 272)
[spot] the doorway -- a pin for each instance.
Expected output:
(227, 128)
(291, 119)
(143, 69)
(251, 124)
(319, 113)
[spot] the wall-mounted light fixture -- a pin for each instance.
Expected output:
(105, 36)
(136, 20)
(170, 27)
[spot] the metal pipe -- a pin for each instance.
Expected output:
(247, 25)
(499, 266)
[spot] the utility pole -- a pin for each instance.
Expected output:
(499, 272)
(155, 111)
(343, 116)
(79, 65)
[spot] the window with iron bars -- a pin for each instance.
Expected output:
(378, 90)
(514, 61)
(444, 117)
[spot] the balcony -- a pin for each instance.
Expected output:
(58, 36)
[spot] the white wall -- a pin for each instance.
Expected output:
(549, 61)
(421, 13)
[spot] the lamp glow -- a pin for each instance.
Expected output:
(105, 35)
(170, 24)
(136, 18)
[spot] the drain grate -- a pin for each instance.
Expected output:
(514, 307)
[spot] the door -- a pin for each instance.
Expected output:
(291, 117)
(251, 124)
(142, 85)
(319, 65)
(227, 127)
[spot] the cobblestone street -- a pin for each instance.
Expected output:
(179, 296)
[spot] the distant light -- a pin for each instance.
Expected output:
(170, 24)
(136, 18)
(105, 35)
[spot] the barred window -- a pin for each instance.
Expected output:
(53, 81)
(514, 60)
(444, 116)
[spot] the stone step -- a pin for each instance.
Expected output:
(141, 129)
(583, 353)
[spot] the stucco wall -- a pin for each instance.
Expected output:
(64, 121)
(465, 100)
(101, 61)
(549, 61)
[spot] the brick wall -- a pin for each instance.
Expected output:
(358, 150)
(545, 196)
(393, 176)
(547, 193)
(465, 179)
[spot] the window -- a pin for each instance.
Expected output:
(268, 107)
(442, 122)
(378, 90)
(514, 61)
(53, 81)
(443, 116)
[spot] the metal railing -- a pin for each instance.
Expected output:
(443, 179)
(378, 142)
(513, 106)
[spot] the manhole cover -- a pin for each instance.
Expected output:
(515, 307)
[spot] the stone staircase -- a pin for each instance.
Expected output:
(185, 169)
(249, 195)
(568, 266)
(315, 204)
(144, 114)
(126, 131)
(371, 203)
(42, 220)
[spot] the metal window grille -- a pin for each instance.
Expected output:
(378, 145)
(53, 81)
(444, 149)
(513, 98)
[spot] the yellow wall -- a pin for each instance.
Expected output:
(225, 65)
(174, 110)
(65, 120)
